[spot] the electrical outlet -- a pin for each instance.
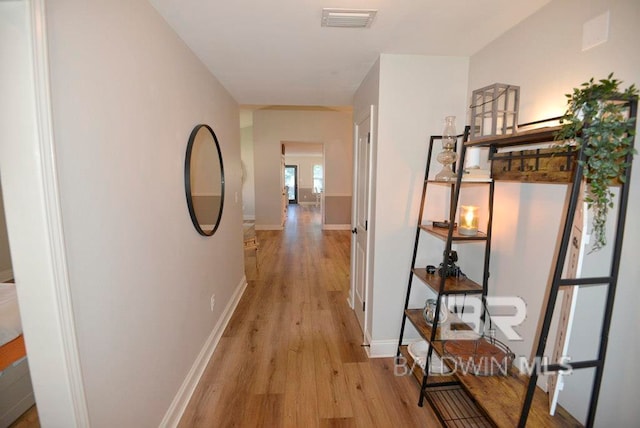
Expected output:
(213, 301)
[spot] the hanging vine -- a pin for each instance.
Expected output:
(597, 118)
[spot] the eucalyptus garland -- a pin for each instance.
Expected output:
(597, 118)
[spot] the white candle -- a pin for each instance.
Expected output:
(473, 157)
(468, 220)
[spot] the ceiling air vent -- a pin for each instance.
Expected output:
(348, 18)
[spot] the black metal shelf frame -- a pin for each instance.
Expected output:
(455, 187)
(557, 281)
(610, 282)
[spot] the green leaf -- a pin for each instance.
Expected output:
(605, 134)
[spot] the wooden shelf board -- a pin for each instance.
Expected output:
(477, 180)
(447, 183)
(502, 397)
(532, 136)
(452, 285)
(464, 180)
(416, 318)
(443, 233)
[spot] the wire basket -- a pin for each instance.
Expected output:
(484, 356)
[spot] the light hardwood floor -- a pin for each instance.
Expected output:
(29, 419)
(291, 355)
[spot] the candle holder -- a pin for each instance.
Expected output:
(448, 154)
(468, 225)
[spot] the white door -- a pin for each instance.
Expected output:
(360, 222)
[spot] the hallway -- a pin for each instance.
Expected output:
(291, 355)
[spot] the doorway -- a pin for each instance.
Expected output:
(33, 216)
(360, 243)
(291, 182)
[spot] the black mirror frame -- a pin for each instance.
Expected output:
(187, 180)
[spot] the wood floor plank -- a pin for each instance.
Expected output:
(403, 409)
(317, 293)
(300, 398)
(239, 319)
(221, 370)
(271, 345)
(263, 410)
(291, 355)
(348, 330)
(331, 386)
(28, 419)
(366, 398)
(338, 423)
(220, 401)
(300, 405)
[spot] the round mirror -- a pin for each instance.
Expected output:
(204, 180)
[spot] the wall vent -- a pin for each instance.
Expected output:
(347, 18)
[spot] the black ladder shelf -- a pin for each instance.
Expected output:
(515, 400)
(442, 285)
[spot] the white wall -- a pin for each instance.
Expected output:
(273, 127)
(543, 55)
(248, 186)
(126, 93)
(415, 94)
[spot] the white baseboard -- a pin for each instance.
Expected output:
(269, 227)
(6, 275)
(336, 227)
(179, 404)
(249, 217)
(382, 348)
(386, 348)
(308, 203)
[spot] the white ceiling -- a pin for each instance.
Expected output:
(276, 53)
